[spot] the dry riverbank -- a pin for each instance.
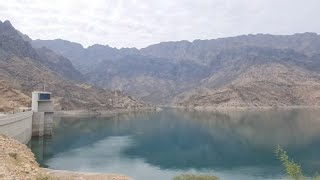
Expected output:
(243, 108)
(17, 162)
(105, 113)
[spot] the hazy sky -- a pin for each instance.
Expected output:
(138, 23)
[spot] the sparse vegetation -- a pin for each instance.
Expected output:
(13, 155)
(195, 177)
(292, 169)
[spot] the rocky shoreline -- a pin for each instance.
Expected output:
(104, 113)
(243, 108)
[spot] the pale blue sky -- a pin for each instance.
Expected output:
(139, 23)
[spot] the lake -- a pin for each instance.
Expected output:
(160, 145)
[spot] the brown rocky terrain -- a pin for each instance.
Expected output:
(24, 69)
(260, 70)
(25, 76)
(257, 77)
(10, 97)
(17, 161)
(270, 85)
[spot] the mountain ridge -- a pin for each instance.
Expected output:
(25, 69)
(204, 65)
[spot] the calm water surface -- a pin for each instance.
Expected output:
(160, 145)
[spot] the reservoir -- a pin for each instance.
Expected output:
(161, 145)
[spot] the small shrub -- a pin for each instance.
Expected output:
(292, 169)
(195, 177)
(13, 155)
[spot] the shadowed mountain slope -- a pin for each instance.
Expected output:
(24, 69)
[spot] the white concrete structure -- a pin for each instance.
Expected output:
(42, 106)
(41, 102)
(17, 126)
(37, 122)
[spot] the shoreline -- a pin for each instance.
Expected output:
(104, 113)
(243, 108)
(74, 175)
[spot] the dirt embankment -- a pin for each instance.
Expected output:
(17, 161)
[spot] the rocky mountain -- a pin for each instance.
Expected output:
(202, 51)
(84, 59)
(59, 64)
(24, 69)
(248, 70)
(258, 77)
(154, 80)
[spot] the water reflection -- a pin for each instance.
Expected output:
(165, 143)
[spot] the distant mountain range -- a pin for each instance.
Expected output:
(243, 71)
(24, 69)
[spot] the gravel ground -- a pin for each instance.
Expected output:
(17, 161)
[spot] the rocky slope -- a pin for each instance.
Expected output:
(11, 97)
(207, 72)
(59, 64)
(17, 161)
(154, 79)
(269, 85)
(25, 69)
(258, 77)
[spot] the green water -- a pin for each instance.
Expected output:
(160, 145)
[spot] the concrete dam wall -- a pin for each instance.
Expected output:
(37, 122)
(17, 126)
